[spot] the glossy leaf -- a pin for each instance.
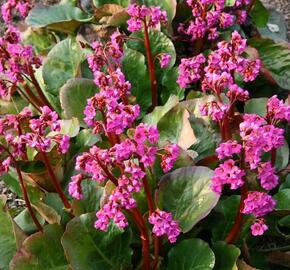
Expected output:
(154, 117)
(168, 5)
(63, 17)
(283, 199)
(41, 251)
(160, 43)
(187, 194)
(97, 250)
(99, 3)
(257, 106)
(92, 194)
(175, 128)
(7, 239)
(74, 95)
(259, 14)
(226, 256)
(135, 70)
(62, 63)
(25, 222)
(191, 254)
(276, 58)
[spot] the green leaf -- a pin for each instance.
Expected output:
(63, 17)
(62, 63)
(159, 42)
(135, 70)
(222, 251)
(42, 40)
(170, 86)
(283, 199)
(230, 3)
(7, 239)
(41, 251)
(11, 180)
(282, 157)
(25, 222)
(191, 254)
(74, 95)
(96, 250)
(92, 196)
(168, 5)
(175, 127)
(228, 208)
(259, 14)
(257, 106)
(286, 183)
(159, 111)
(276, 27)
(187, 194)
(276, 58)
(86, 138)
(99, 3)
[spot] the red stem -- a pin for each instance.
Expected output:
(138, 219)
(152, 207)
(37, 101)
(250, 6)
(55, 182)
(273, 157)
(38, 88)
(151, 67)
(238, 224)
(23, 189)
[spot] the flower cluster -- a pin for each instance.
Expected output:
(163, 224)
(125, 162)
(258, 135)
(210, 15)
(152, 16)
(217, 74)
(111, 102)
(130, 157)
(16, 60)
(20, 131)
(22, 6)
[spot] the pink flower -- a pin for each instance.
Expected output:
(267, 176)
(75, 188)
(165, 60)
(259, 227)
(277, 109)
(258, 204)
(228, 148)
(170, 156)
(227, 173)
(163, 224)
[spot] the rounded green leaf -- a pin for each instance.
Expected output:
(91, 249)
(74, 95)
(257, 106)
(276, 58)
(62, 63)
(187, 194)
(159, 42)
(191, 254)
(222, 251)
(135, 70)
(99, 3)
(283, 199)
(62, 17)
(259, 14)
(168, 5)
(7, 239)
(41, 251)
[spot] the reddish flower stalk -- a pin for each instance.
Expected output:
(38, 88)
(151, 67)
(238, 223)
(251, 6)
(55, 182)
(23, 189)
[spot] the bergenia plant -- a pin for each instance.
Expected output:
(144, 135)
